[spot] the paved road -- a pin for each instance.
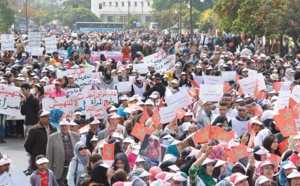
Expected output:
(15, 150)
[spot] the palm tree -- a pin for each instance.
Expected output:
(77, 3)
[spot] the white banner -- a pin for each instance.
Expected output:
(296, 93)
(124, 86)
(179, 100)
(141, 68)
(78, 92)
(211, 92)
(167, 113)
(67, 104)
(10, 100)
(7, 42)
(50, 43)
(198, 79)
(213, 80)
(95, 102)
(161, 61)
(283, 99)
(34, 51)
(48, 89)
(229, 75)
(83, 76)
(248, 84)
(34, 39)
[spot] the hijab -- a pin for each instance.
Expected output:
(107, 78)
(55, 114)
(282, 176)
(172, 149)
(123, 158)
(81, 158)
(207, 179)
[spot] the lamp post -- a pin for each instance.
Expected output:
(180, 9)
(191, 18)
(26, 16)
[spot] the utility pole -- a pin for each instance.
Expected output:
(128, 14)
(180, 9)
(26, 16)
(191, 17)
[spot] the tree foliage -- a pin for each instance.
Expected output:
(77, 3)
(208, 20)
(6, 16)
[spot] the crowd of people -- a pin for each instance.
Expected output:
(131, 146)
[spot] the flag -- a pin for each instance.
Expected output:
(275, 159)
(237, 153)
(258, 111)
(226, 87)
(108, 152)
(292, 103)
(156, 118)
(222, 134)
(276, 86)
(285, 122)
(283, 146)
(204, 135)
(180, 113)
(144, 117)
(240, 91)
(139, 131)
(296, 110)
(194, 83)
(194, 93)
(261, 95)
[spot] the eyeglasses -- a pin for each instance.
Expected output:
(82, 148)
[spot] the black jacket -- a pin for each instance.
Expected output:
(89, 135)
(159, 87)
(30, 109)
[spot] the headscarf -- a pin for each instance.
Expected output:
(107, 78)
(81, 158)
(217, 152)
(136, 172)
(172, 149)
(207, 179)
(123, 158)
(288, 74)
(146, 164)
(282, 176)
(55, 114)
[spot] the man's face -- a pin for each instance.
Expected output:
(207, 106)
(71, 80)
(6, 167)
(227, 100)
(74, 128)
(242, 112)
(223, 110)
(64, 129)
(25, 91)
(45, 119)
(57, 87)
(114, 121)
(94, 126)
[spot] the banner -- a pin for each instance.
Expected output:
(141, 68)
(83, 76)
(7, 42)
(10, 100)
(67, 104)
(118, 56)
(211, 92)
(34, 39)
(50, 44)
(78, 92)
(48, 89)
(179, 100)
(161, 61)
(248, 84)
(95, 102)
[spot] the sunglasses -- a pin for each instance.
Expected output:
(82, 148)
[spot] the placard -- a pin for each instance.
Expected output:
(283, 99)
(124, 86)
(82, 76)
(229, 75)
(34, 39)
(248, 84)
(211, 92)
(7, 42)
(67, 104)
(179, 100)
(168, 114)
(141, 68)
(50, 44)
(78, 92)
(118, 56)
(251, 72)
(296, 93)
(161, 61)
(213, 80)
(10, 100)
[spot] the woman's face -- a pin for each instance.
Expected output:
(224, 156)
(183, 77)
(255, 127)
(63, 81)
(151, 142)
(190, 69)
(187, 118)
(267, 171)
(263, 157)
(120, 164)
(295, 181)
(274, 145)
(209, 169)
(82, 150)
(179, 148)
(107, 72)
(139, 165)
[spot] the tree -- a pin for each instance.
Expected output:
(6, 16)
(77, 4)
(78, 15)
(208, 20)
(160, 5)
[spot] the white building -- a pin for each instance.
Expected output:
(120, 10)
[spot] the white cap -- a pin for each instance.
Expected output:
(42, 160)
(164, 176)
(207, 160)
(139, 159)
(5, 160)
(219, 163)
(174, 168)
(77, 113)
(72, 123)
(257, 122)
(268, 114)
(144, 174)
(175, 81)
(64, 122)
(293, 174)
(189, 113)
(112, 109)
(113, 116)
(117, 135)
(124, 98)
(44, 113)
(175, 142)
(128, 140)
(237, 177)
(179, 177)
(289, 165)
(262, 179)
(94, 122)
(94, 138)
(149, 102)
(261, 151)
(186, 126)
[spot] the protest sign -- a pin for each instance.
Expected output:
(95, 100)
(50, 43)
(229, 75)
(283, 99)
(161, 61)
(124, 86)
(63, 53)
(141, 68)
(48, 89)
(78, 92)
(211, 92)
(168, 114)
(118, 56)
(19, 117)
(212, 80)
(83, 76)
(296, 93)
(97, 75)
(34, 51)
(7, 42)
(67, 104)
(34, 39)
(179, 100)
(198, 79)
(248, 84)
(10, 100)
(251, 72)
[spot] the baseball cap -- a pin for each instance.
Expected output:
(43, 113)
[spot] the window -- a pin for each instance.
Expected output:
(123, 4)
(135, 4)
(116, 4)
(148, 3)
(110, 18)
(128, 3)
(148, 19)
(110, 4)
(103, 4)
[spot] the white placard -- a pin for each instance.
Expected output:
(283, 99)
(229, 75)
(34, 39)
(141, 68)
(198, 79)
(48, 89)
(78, 92)
(50, 43)
(167, 113)
(10, 100)
(211, 92)
(7, 42)
(213, 80)
(179, 100)
(296, 93)
(251, 72)
(248, 84)
(161, 61)
(67, 104)
(124, 86)
(34, 51)
(82, 76)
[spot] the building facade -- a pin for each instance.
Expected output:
(121, 10)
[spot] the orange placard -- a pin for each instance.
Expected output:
(204, 135)
(275, 159)
(283, 146)
(180, 113)
(258, 111)
(276, 86)
(108, 152)
(226, 87)
(285, 122)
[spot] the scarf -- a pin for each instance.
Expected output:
(172, 149)
(81, 158)
(208, 180)
(107, 78)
